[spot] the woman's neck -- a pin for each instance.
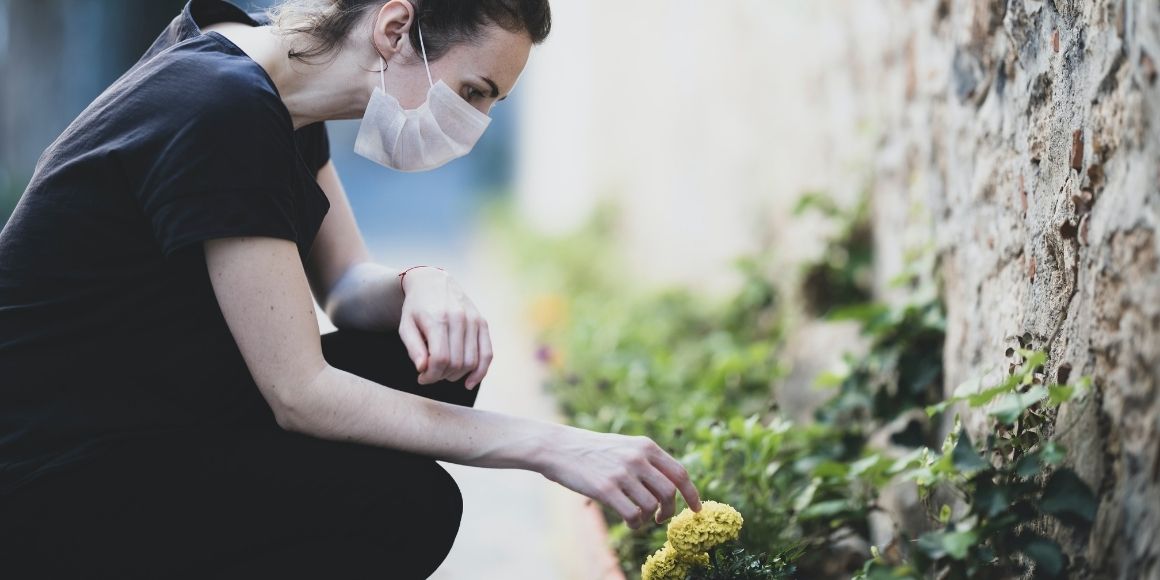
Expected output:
(333, 88)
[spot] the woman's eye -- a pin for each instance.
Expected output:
(473, 93)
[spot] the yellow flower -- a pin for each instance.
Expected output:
(667, 564)
(692, 533)
(548, 311)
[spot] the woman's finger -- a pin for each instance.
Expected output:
(626, 507)
(470, 350)
(456, 329)
(413, 340)
(663, 490)
(485, 356)
(677, 474)
(435, 331)
(642, 497)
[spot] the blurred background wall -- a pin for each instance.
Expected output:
(55, 57)
(702, 121)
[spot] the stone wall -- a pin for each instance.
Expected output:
(1030, 132)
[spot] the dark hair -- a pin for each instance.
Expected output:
(445, 22)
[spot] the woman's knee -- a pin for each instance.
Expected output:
(424, 523)
(434, 503)
(382, 357)
(445, 510)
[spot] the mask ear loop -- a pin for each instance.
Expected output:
(424, 49)
(382, 73)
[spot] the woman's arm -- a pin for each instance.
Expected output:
(264, 296)
(353, 291)
(446, 336)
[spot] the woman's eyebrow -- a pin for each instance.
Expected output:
(494, 87)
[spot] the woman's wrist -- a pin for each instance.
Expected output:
(416, 272)
(528, 446)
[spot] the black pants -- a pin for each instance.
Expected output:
(254, 502)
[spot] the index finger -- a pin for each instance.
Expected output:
(680, 477)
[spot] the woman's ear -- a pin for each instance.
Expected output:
(391, 26)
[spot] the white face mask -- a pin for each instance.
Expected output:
(444, 128)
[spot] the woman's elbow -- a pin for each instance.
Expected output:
(294, 405)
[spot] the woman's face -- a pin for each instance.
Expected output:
(482, 72)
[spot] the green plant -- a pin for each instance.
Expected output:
(902, 369)
(732, 561)
(1013, 481)
(698, 377)
(842, 276)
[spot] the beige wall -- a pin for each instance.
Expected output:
(705, 120)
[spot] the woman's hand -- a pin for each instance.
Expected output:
(632, 475)
(444, 333)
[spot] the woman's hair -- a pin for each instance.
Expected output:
(445, 22)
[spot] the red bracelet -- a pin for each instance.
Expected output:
(404, 273)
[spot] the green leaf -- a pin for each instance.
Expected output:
(986, 396)
(991, 499)
(965, 458)
(831, 469)
(806, 497)
(819, 201)
(958, 544)
(862, 465)
(830, 379)
(825, 509)
(953, 544)
(1008, 408)
(1053, 453)
(1068, 498)
(1028, 466)
(857, 313)
(1032, 359)
(1059, 394)
(1047, 555)
(944, 514)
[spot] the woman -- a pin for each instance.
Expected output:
(167, 406)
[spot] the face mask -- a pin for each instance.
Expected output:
(444, 128)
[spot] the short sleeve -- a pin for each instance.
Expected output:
(314, 145)
(224, 165)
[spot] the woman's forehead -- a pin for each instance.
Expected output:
(498, 55)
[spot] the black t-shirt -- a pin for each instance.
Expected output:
(109, 326)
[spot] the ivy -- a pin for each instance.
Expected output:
(1006, 488)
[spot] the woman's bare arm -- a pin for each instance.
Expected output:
(353, 291)
(265, 298)
(357, 293)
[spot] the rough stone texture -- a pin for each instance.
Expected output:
(1029, 131)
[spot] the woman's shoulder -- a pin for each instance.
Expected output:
(204, 78)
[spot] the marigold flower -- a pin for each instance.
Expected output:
(668, 564)
(692, 533)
